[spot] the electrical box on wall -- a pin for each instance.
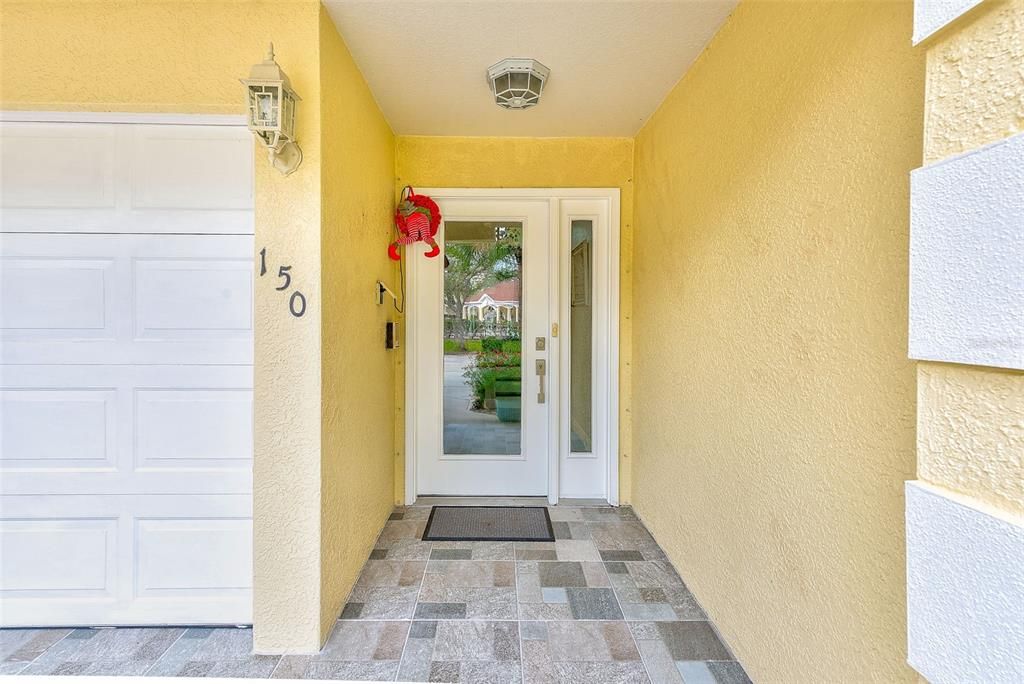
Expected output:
(391, 335)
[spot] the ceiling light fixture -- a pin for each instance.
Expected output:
(517, 83)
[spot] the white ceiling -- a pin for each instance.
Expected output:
(612, 63)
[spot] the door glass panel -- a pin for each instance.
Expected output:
(581, 325)
(483, 368)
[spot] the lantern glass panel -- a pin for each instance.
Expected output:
(288, 116)
(520, 80)
(266, 110)
(501, 84)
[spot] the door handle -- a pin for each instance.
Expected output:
(542, 369)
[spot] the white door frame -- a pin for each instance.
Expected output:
(606, 267)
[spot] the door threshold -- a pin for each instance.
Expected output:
(481, 501)
(504, 501)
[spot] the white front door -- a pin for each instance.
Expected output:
(512, 346)
(482, 312)
(126, 374)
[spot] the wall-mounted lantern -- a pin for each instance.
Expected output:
(271, 106)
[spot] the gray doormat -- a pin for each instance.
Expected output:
(489, 523)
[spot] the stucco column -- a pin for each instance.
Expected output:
(286, 467)
(965, 511)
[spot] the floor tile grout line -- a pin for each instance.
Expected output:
(636, 645)
(519, 621)
(165, 651)
(415, 604)
(40, 654)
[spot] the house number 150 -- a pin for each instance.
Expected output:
(297, 302)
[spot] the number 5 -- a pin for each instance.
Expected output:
(283, 273)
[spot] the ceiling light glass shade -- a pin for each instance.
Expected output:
(517, 83)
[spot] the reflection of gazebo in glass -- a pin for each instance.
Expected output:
(499, 302)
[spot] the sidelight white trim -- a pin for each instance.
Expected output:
(965, 589)
(612, 401)
(588, 482)
(412, 371)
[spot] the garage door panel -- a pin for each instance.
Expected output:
(169, 566)
(164, 159)
(126, 429)
(126, 379)
(56, 298)
(104, 178)
(58, 429)
(35, 557)
(127, 299)
(183, 558)
(57, 166)
(194, 428)
(193, 299)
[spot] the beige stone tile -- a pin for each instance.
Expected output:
(591, 640)
(658, 662)
(400, 530)
(391, 573)
(576, 550)
(460, 573)
(467, 640)
(596, 574)
(565, 514)
(619, 535)
(649, 574)
(381, 603)
(358, 640)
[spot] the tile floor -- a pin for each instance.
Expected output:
(599, 604)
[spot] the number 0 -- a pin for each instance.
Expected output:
(297, 304)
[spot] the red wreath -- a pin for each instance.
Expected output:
(417, 219)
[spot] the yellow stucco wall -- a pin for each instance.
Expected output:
(970, 436)
(773, 401)
(357, 187)
(970, 432)
(975, 80)
(182, 56)
(457, 162)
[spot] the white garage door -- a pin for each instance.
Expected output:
(126, 378)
